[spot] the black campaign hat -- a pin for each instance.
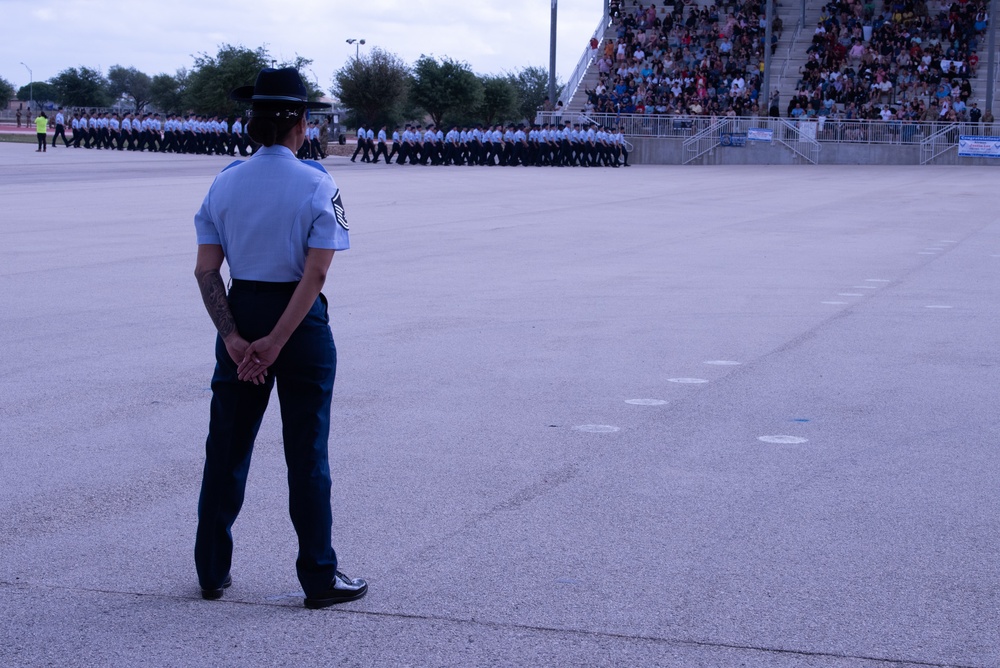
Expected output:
(274, 85)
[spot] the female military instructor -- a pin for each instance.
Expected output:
(277, 222)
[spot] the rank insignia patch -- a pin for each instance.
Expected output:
(338, 209)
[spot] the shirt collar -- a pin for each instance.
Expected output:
(278, 150)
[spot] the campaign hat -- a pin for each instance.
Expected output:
(277, 85)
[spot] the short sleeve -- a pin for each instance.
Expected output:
(204, 225)
(329, 227)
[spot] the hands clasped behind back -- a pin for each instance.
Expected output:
(257, 358)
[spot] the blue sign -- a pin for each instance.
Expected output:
(733, 139)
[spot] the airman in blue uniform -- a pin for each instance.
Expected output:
(277, 222)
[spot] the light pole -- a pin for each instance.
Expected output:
(31, 87)
(991, 64)
(552, 55)
(357, 46)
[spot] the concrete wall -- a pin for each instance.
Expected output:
(654, 151)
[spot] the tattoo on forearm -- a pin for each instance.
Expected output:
(213, 293)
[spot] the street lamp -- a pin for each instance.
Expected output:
(31, 87)
(357, 46)
(552, 55)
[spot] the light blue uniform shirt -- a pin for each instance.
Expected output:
(267, 211)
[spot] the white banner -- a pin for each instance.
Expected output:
(760, 134)
(971, 146)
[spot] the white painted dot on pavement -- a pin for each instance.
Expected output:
(878, 280)
(723, 363)
(849, 294)
(597, 428)
(938, 306)
(783, 439)
(835, 303)
(864, 287)
(645, 402)
(687, 381)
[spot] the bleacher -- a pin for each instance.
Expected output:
(706, 34)
(789, 57)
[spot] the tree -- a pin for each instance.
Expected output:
(444, 88)
(40, 91)
(130, 83)
(213, 77)
(6, 91)
(166, 92)
(373, 87)
(312, 87)
(499, 100)
(532, 86)
(82, 87)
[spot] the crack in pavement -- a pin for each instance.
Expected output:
(508, 626)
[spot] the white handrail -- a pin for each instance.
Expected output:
(569, 90)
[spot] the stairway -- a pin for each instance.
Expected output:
(790, 55)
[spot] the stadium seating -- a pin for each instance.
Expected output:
(914, 59)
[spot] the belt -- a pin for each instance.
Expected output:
(264, 286)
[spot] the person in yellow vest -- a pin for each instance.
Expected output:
(41, 127)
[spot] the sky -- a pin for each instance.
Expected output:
(492, 36)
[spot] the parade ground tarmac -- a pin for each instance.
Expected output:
(657, 416)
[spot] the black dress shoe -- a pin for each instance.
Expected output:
(215, 594)
(341, 590)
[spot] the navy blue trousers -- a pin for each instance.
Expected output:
(304, 373)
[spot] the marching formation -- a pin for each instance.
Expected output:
(569, 145)
(507, 146)
(203, 135)
(208, 135)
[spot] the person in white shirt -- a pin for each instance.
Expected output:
(60, 128)
(396, 139)
(77, 126)
(362, 146)
(381, 148)
(115, 135)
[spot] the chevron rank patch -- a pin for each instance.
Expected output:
(338, 208)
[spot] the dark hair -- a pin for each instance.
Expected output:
(271, 123)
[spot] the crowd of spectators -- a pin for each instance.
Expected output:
(909, 61)
(689, 60)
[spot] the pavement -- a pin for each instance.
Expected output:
(657, 416)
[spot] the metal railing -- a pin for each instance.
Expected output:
(828, 129)
(941, 141)
(791, 135)
(569, 90)
(628, 145)
(702, 142)
(730, 131)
